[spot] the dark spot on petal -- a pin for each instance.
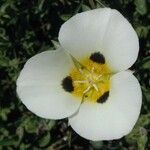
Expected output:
(67, 84)
(103, 98)
(82, 67)
(98, 58)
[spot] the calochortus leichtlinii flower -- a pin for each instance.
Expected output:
(87, 78)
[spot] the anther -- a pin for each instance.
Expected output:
(80, 81)
(95, 87)
(99, 77)
(87, 90)
(92, 69)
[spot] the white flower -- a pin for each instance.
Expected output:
(92, 85)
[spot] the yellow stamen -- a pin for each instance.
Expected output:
(90, 78)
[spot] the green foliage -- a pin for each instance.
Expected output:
(30, 27)
(139, 134)
(141, 6)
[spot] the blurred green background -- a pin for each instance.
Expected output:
(28, 27)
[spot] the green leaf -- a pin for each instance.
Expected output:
(23, 146)
(96, 145)
(4, 61)
(4, 112)
(65, 17)
(147, 94)
(139, 133)
(142, 31)
(85, 7)
(14, 63)
(40, 5)
(50, 124)
(8, 141)
(45, 140)
(141, 6)
(144, 63)
(20, 133)
(31, 125)
(142, 140)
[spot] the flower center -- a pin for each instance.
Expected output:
(89, 79)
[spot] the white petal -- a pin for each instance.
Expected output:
(120, 43)
(104, 30)
(114, 118)
(39, 85)
(83, 33)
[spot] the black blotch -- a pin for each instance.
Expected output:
(103, 98)
(67, 84)
(98, 58)
(86, 95)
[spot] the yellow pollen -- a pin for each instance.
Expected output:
(91, 81)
